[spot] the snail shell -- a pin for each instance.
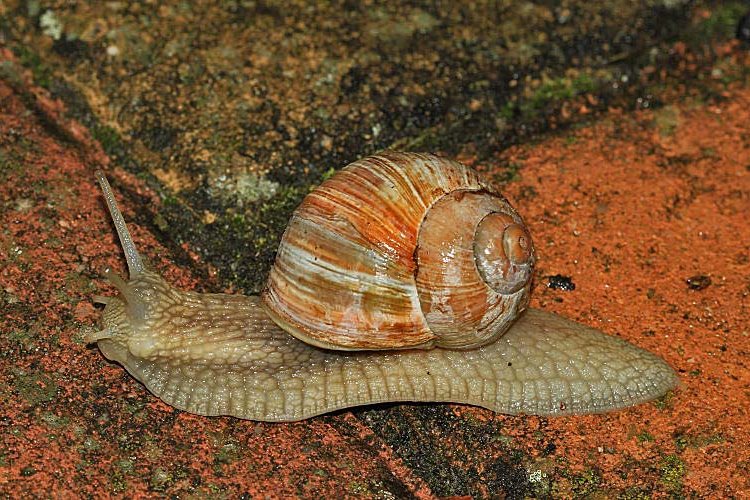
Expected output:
(410, 251)
(401, 250)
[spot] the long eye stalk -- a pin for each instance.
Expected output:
(135, 264)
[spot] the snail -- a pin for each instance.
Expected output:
(403, 277)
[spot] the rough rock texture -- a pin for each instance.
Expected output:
(643, 209)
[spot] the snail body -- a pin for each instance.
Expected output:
(401, 278)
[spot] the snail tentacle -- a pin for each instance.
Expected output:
(100, 299)
(135, 264)
(93, 337)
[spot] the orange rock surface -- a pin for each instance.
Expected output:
(628, 209)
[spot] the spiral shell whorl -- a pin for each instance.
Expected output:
(382, 256)
(469, 301)
(503, 253)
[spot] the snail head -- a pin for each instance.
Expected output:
(128, 319)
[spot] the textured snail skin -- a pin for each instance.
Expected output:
(218, 354)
